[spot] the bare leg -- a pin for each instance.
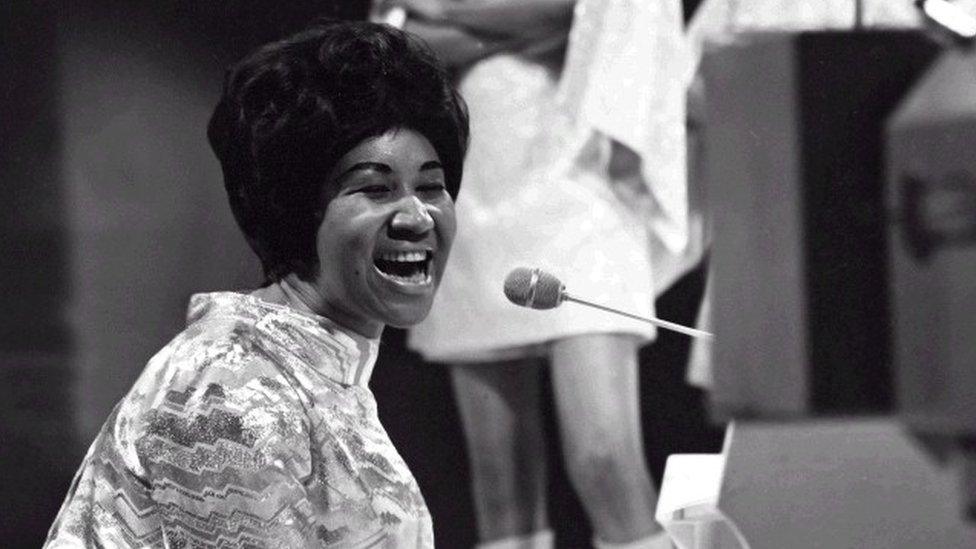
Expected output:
(596, 392)
(499, 405)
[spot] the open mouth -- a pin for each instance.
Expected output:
(413, 268)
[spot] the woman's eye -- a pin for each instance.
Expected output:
(373, 189)
(432, 187)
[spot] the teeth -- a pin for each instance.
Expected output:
(410, 267)
(416, 278)
(404, 257)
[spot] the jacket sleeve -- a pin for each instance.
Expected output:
(226, 457)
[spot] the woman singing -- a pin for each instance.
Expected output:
(342, 150)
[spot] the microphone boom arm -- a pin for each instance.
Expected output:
(655, 321)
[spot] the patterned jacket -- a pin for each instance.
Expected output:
(254, 427)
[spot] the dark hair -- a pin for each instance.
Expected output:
(291, 109)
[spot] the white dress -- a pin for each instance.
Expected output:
(535, 193)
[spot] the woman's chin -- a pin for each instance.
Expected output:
(402, 303)
(406, 316)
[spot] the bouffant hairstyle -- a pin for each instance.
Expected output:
(291, 109)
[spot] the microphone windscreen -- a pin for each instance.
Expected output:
(533, 288)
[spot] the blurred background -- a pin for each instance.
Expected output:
(113, 214)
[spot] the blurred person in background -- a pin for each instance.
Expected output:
(342, 150)
(576, 166)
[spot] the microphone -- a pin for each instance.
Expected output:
(537, 289)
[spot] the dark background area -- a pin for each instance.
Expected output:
(113, 215)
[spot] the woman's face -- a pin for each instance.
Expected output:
(386, 233)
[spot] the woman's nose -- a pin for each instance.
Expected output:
(412, 217)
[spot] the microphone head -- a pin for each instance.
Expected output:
(533, 288)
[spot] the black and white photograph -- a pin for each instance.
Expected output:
(489, 274)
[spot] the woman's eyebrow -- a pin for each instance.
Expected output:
(366, 166)
(385, 168)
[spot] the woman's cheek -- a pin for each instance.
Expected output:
(445, 219)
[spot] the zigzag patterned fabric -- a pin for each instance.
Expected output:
(253, 428)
